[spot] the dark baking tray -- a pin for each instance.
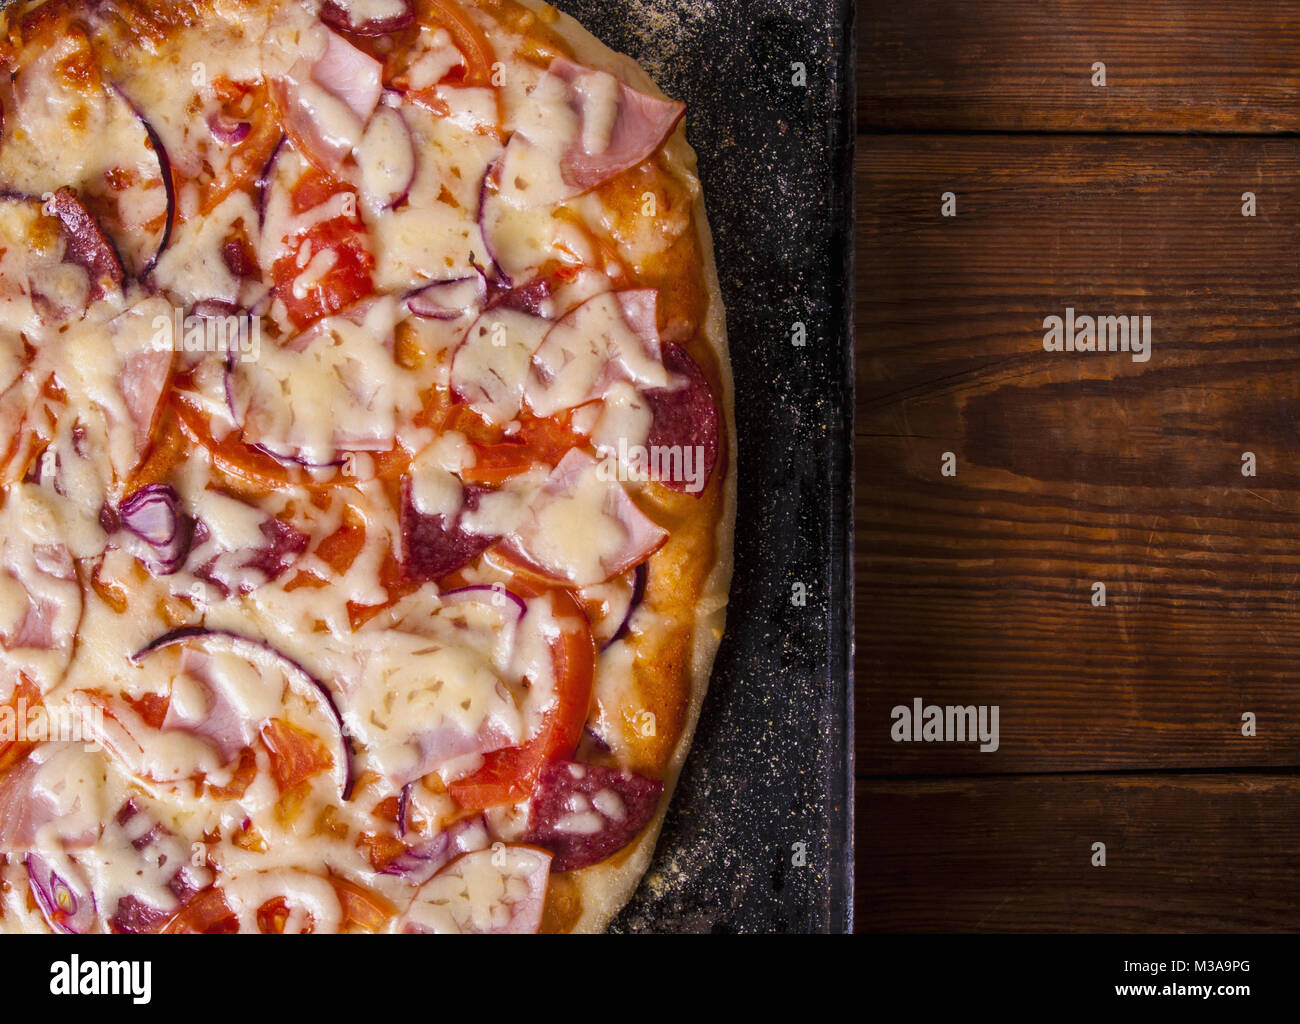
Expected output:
(772, 764)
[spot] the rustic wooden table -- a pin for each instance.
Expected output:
(1119, 724)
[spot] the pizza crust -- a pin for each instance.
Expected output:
(605, 888)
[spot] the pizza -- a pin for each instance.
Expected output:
(367, 467)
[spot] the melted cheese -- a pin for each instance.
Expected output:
(624, 421)
(491, 366)
(416, 690)
(574, 364)
(193, 267)
(435, 235)
(487, 891)
(363, 11)
(573, 532)
(334, 388)
(435, 486)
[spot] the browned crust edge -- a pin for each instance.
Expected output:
(606, 888)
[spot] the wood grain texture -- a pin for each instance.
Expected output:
(1079, 467)
(1199, 853)
(1008, 65)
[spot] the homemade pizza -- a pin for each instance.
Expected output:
(367, 467)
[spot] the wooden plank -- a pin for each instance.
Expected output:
(1200, 853)
(1012, 65)
(1079, 467)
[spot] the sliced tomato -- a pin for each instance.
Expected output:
(498, 457)
(497, 463)
(474, 47)
(14, 750)
(363, 910)
(231, 455)
(296, 754)
(507, 776)
(467, 36)
(248, 102)
(207, 913)
(240, 779)
(340, 549)
(112, 594)
(34, 433)
(152, 708)
(252, 466)
(458, 416)
(393, 578)
(348, 279)
(381, 848)
(273, 915)
(166, 451)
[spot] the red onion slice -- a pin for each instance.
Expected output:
(289, 459)
(486, 191)
(449, 300)
(386, 159)
(153, 515)
(426, 857)
(169, 187)
(340, 14)
(266, 177)
(228, 131)
(215, 308)
(165, 172)
(259, 650)
(403, 806)
(64, 908)
(638, 595)
(506, 607)
(496, 596)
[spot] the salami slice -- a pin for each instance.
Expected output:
(431, 546)
(584, 813)
(87, 245)
(228, 573)
(376, 19)
(46, 281)
(527, 298)
(284, 544)
(685, 421)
